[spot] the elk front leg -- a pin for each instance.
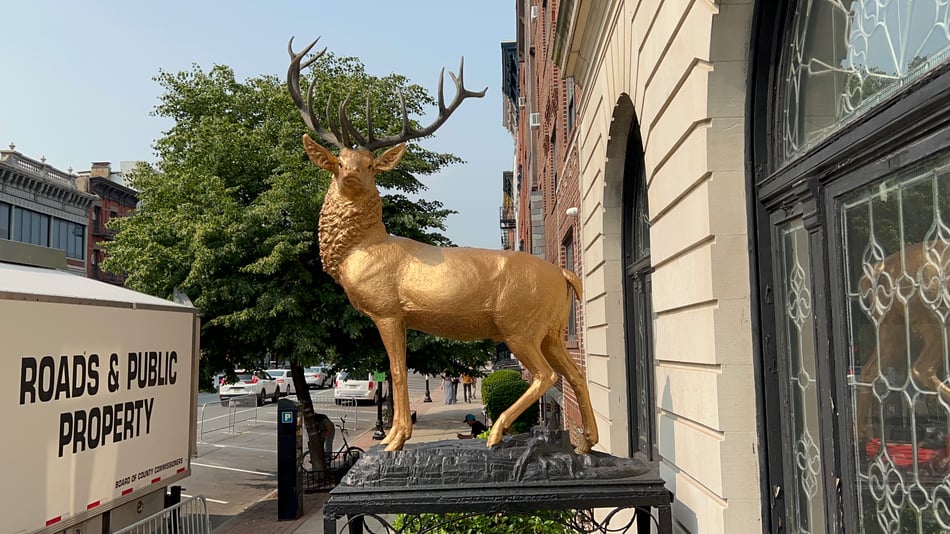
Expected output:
(393, 333)
(928, 367)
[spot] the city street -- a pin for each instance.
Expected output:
(237, 447)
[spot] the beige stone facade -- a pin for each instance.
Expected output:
(678, 70)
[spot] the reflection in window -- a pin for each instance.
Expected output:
(30, 227)
(68, 237)
(844, 56)
(897, 277)
(797, 360)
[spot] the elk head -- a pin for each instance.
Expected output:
(355, 168)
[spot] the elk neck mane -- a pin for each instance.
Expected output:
(344, 224)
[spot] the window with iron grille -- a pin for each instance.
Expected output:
(853, 235)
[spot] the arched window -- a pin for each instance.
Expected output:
(638, 297)
(851, 202)
(842, 57)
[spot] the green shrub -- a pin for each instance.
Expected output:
(543, 522)
(497, 377)
(503, 396)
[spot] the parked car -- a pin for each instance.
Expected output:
(321, 376)
(311, 378)
(350, 389)
(285, 381)
(257, 383)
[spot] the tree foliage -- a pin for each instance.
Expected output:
(506, 393)
(497, 377)
(229, 212)
(538, 522)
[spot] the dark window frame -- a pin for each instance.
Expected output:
(569, 261)
(638, 299)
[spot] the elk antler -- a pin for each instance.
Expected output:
(306, 109)
(341, 134)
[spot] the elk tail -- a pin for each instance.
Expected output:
(574, 281)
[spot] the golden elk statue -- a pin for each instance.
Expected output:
(458, 293)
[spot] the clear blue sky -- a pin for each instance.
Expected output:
(77, 76)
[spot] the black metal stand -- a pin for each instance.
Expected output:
(427, 398)
(379, 433)
(463, 489)
(649, 501)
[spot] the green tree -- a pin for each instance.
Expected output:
(229, 213)
(503, 395)
(497, 377)
(538, 522)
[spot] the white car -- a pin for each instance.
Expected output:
(320, 376)
(257, 383)
(350, 390)
(284, 379)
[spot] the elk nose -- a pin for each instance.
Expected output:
(349, 177)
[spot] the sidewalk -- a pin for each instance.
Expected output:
(434, 421)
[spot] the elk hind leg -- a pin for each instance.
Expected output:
(543, 378)
(560, 359)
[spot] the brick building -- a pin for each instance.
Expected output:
(114, 199)
(545, 187)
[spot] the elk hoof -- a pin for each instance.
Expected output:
(395, 440)
(494, 438)
(396, 431)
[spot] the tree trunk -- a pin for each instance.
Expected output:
(318, 460)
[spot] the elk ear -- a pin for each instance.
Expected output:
(389, 159)
(321, 157)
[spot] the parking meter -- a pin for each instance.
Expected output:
(289, 455)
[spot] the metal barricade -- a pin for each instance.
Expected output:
(214, 417)
(187, 517)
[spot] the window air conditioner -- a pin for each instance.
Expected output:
(521, 101)
(534, 120)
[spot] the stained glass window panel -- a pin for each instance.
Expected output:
(804, 491)
(896, 247)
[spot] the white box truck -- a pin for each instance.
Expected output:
(100, 393)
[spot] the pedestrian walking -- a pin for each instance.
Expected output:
(450, 385)
(468, 385)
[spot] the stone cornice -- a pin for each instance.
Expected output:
(110, 190)
(42, 179)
